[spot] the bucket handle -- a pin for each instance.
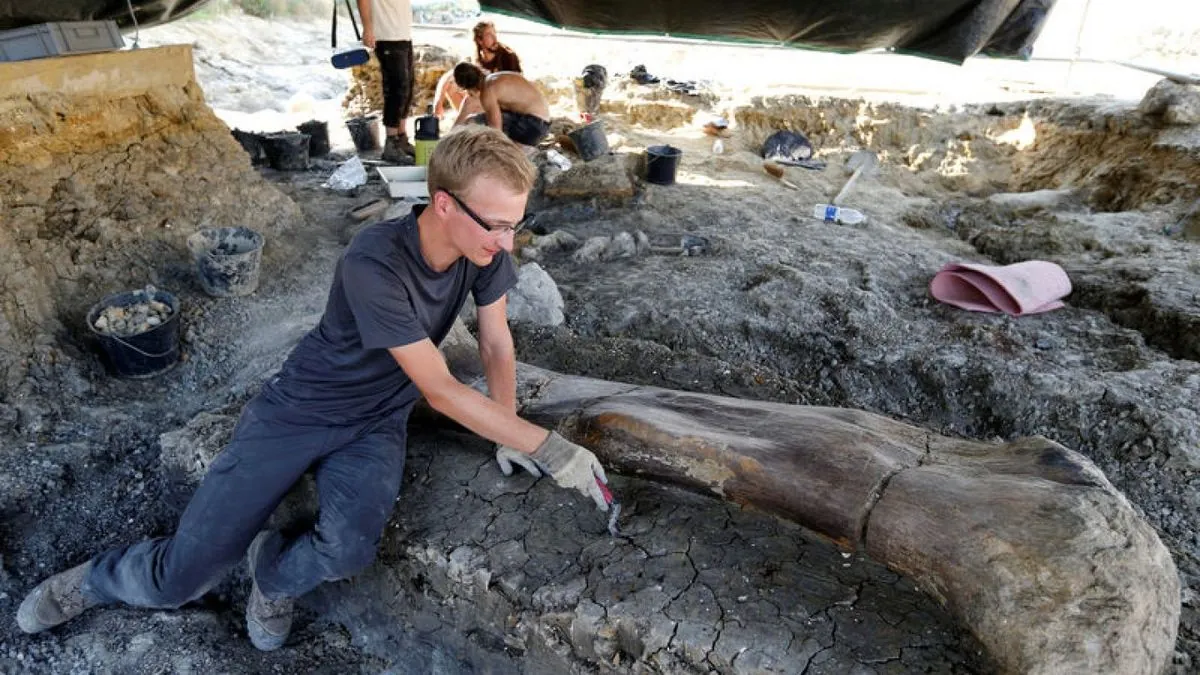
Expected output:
(146, 354)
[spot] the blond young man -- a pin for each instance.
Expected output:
(339, 406)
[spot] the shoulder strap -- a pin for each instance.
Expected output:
(353, 22)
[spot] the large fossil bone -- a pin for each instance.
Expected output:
(1027, 542)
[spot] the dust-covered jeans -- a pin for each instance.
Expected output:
(357, 469)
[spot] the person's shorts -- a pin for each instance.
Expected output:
(521, 127)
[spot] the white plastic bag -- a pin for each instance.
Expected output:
(558, 159)
(349, 175)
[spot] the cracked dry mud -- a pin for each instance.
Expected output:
(694, 584)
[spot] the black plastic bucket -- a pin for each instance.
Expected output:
(590, 140)
(287, 151)
(227, 260)
(253, 145)
(143, 354)
(318, 137)
(364, 131)
(661, 164)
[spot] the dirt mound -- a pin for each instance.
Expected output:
(100, 194)
(1119, 155)
(954, 149)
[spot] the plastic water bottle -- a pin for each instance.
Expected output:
(838, 214)
(718, 147)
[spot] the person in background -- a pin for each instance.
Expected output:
(490, 54)
(448, 96)
(387, 28)
(505, 101)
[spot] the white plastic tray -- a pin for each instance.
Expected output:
(405, 182)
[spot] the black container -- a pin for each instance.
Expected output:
(364, 131)
(227, 260)
(590, 140)
(144, 354)
(425, 128)
(661, 164)
(252, 144)
(287, 151)
(318, 137)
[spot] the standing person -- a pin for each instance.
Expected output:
(387, 28)
(340, 403)
(508, 102)
(490, 54)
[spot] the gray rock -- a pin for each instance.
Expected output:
(621, 246)
(643, 242)
(535, 299)
(557, 240)
(592, 250)
(1171, 103)
(191, 450)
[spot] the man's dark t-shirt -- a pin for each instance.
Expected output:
(503, 58)
(383, 295)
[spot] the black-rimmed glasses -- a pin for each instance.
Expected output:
(495, 229)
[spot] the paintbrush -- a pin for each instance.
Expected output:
(777, 171)
(614, 508)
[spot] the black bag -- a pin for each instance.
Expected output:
(787, 147)
(354, 55)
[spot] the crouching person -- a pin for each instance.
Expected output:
(339, 406)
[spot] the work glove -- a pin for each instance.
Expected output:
(569, 465)
(572, 466)
(506, 457)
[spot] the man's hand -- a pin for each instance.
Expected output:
(572, 466)
(368, 37)
(506, 457)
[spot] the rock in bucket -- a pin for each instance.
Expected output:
(227, 260)
(137, 331)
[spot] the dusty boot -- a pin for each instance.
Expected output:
(397, 150)
(267, 621)
(55, 600)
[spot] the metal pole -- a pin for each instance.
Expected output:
(1087, 6)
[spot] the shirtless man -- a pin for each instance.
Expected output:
(505, 101)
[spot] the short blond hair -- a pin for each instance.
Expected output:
(475, 150)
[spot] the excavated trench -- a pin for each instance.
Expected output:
(478, 572)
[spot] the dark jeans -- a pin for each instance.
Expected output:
(358, 471)
(396, 67)
(521, 127)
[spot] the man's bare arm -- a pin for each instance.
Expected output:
(497, 353)
(368, 22)
(491, 107)
(426, 367)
